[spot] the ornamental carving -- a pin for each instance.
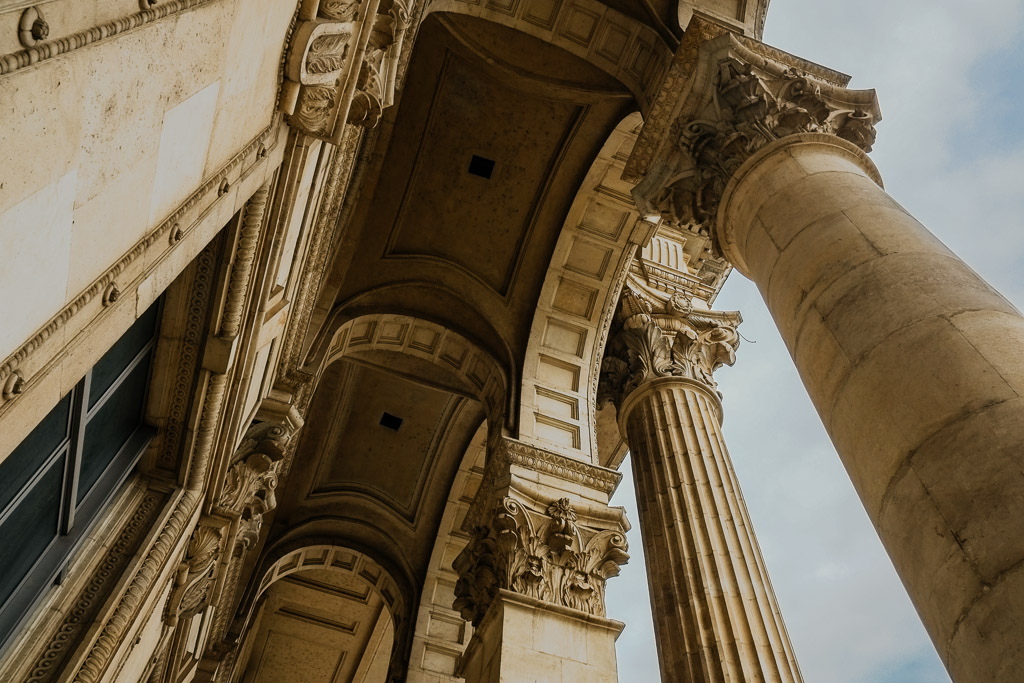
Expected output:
(668, 340)
(248, 490)
(197, 573)
(341, 65)
(742, 96)
(540, 552)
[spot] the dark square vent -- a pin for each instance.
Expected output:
(481, 166)
(392, 422)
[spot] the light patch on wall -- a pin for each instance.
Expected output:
(181, 159)
(35, 238)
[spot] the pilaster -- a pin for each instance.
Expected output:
(532, 580)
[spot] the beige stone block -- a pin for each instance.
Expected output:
(823, 252)
(787, 212)
(916, 382)
(892, 231)
(926, 555)
(972, 471)
(999, 337)
(35, 239)
(41, 135)
(988, 639)
(888, 293)
(184, 141)
(820, 359)
(250, 76)
(759, 254)
(98, 238)
(122, 106)
(773, 175)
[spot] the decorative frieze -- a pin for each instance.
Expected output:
(741, 96)
(670, 340)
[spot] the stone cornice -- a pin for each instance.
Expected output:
(511, 452)
(49, 49)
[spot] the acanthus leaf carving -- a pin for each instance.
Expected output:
(742, 96)
(540, 552)
(678, 342)
(341, 65)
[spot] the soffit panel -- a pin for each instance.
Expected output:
(429, 229)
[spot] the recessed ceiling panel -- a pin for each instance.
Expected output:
(481, 169)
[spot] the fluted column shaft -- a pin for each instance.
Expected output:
(715, 614)
(914, 364)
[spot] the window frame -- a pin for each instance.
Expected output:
(76, 518)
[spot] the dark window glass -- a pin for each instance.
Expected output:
(109, 429)
(31, 453)
(93, 437)
(121, 354)
(31, 528)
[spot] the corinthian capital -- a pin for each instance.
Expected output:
(526, 540)
(732, 96)
(669, 339)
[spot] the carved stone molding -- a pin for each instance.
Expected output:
(544, 552)
(741, 95)
(511, 452)
(673, 340)
(248, 490)
(341, 64)
(47, 49)
(83, 611)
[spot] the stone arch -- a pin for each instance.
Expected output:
(626, 49)
(358, 576)
(443, 354)
(594, 252)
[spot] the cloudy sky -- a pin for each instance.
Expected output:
(950, 79)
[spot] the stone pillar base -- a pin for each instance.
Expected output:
(525, 640)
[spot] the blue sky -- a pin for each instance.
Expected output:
(950, 79)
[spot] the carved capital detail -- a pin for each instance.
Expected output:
(670, 339)
(248, 490)
(545, 553)
(742, 95)
(342, 64)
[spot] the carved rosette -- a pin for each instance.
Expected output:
(544, 553)
(673, 341)
(341, 64)
(742, 96)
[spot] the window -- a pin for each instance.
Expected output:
(58, 480)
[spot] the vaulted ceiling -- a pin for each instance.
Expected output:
(470, 181)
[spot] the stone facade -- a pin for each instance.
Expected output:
(335, 320)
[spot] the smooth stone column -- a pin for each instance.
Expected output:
(716, 618)
(916, 366)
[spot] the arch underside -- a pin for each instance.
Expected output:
(468, 262)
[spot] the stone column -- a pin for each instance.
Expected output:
(532, 579)
(913, 362)
(716, 618)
